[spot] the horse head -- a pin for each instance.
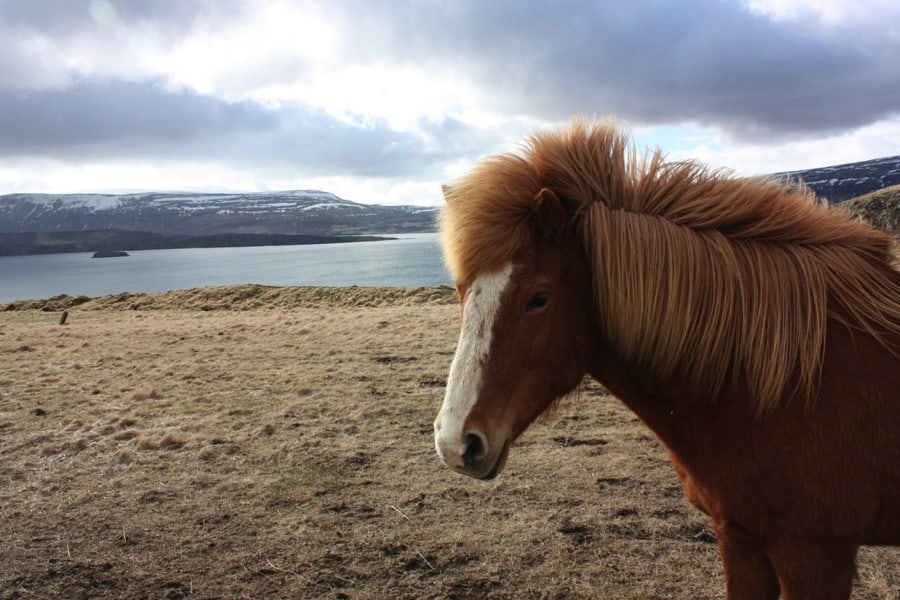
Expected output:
(523, 342)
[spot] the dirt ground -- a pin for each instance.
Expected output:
(253, 442)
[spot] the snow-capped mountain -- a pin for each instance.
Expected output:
(312, 212)
(842, 182)
(293, 212)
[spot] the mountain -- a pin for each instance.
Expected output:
(311, 212)
(306, 212)
(77, 222)
(842, 182)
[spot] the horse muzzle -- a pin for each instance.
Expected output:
(471, 454)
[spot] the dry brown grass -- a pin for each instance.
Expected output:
(881, 208)
(254, 442)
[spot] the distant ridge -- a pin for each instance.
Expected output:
(92, 222)
(843, 182)
(300, 212)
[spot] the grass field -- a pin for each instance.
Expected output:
(253, 442)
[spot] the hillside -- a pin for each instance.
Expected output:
(881, 208)
(44, 223)
(303, 212)
(313, 212)
(843, 182)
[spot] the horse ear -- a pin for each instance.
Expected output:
(552, 215)
(445, 190)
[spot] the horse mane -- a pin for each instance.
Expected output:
(698, 274)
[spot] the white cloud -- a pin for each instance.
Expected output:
(383, 101)
(872, 141)
(828, 12)
(275, 46)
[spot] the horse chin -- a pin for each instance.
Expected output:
(499, 464)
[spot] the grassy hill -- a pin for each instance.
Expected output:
(881, 208)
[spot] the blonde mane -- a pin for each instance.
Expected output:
(697, 274)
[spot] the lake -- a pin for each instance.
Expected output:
(410, 260)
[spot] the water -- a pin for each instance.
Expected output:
(410, 260)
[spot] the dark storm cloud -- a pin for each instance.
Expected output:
(94, 113)
(708, 61)
(114, 119)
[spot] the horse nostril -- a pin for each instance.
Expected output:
(475, 449)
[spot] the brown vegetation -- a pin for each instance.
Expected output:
(251, 442)
(881, 208)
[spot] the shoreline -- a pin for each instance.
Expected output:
(114, 240)
(245, 296)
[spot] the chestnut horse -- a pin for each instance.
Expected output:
(754, 330)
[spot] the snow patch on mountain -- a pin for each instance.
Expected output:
(290, 212)
(77, 201)
(842, 182)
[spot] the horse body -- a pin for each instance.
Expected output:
(569, 264)
(743, 464)
(793, 495)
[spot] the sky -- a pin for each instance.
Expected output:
(382, 101)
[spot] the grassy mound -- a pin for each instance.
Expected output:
(880, 208)
(246, 297)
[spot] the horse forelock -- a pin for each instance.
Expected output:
(697, 273)
(486, 218)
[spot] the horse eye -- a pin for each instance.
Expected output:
(537, 302)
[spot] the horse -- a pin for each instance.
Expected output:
(753, 329)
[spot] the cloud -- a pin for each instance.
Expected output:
(712, 62)
(764, 69)
(47, 43)
(126, 120)
(99, 116)
(62, 18)
(415, 90)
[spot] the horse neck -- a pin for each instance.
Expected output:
(682, 418)
(666, 407)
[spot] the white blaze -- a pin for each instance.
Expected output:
(479, 313)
